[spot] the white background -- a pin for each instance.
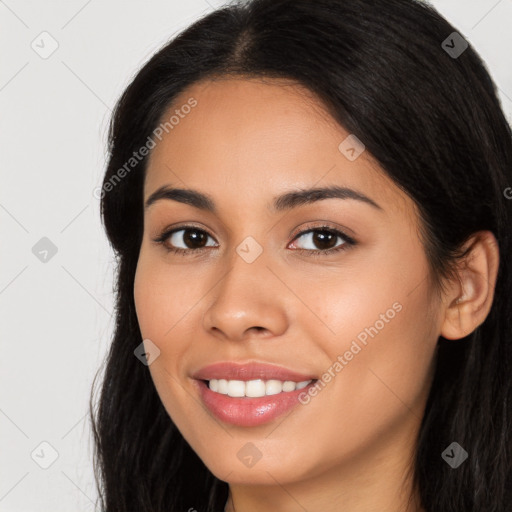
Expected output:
(57, 316)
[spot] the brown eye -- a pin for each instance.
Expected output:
(321, 239)
(184, 239)
(192, 238)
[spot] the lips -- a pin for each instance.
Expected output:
(250, 371)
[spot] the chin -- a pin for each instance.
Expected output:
(267, 475)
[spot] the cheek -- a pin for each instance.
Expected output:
(164, 303)
(376, 379)
(164, 297)
(338, 307)
(379, 338)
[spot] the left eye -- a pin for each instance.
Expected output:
(324, 239)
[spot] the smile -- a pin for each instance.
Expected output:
(249, 411)
(254, 388)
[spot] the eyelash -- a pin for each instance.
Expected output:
(348, 241)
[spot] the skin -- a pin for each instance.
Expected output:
(350, 448)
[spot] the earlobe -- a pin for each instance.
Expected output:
(471, 297)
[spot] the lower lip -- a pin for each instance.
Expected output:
(246, 411)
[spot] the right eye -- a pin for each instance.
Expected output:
(186, 235)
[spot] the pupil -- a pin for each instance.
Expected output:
(320, 239)
(194, 237)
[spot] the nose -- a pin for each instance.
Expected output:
(247, 301)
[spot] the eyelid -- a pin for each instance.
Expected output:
(179, 226)
(320, 225)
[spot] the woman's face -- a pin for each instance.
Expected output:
(361, 320)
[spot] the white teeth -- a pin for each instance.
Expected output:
(289, 385)
(254, 388)
(236, 388)
(222, 386)
(273, 387)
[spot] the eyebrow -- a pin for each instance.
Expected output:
(282, 202)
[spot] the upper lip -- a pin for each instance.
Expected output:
(249, 371)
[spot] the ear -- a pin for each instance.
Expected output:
(469, 299)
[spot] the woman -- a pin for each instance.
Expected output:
(245, 374)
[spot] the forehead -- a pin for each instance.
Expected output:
(258, 138)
